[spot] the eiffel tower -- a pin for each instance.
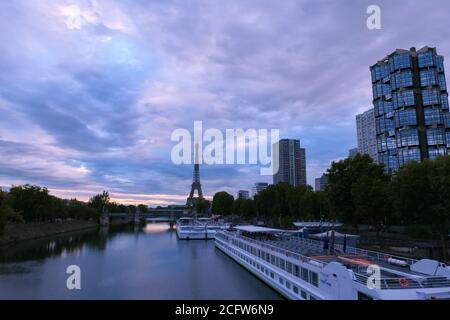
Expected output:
(196, 185)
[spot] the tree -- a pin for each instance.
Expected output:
(344, 184)
(142, 208)
(421, 196)
(202, 206)
(7, 214)
(222, 203)
(99, 201)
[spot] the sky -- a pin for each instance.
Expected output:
(91, 91)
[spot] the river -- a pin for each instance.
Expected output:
(126, 262)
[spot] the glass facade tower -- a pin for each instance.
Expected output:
(411, 108)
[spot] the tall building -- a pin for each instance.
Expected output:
(367, 135)
(321, 183)
(292, 163)
(411, 108)
(243, 194)
(259, 186)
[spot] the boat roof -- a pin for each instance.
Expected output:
(257, 229)
(317, 224)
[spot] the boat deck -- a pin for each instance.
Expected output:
(392, 276)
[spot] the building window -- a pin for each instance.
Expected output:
(406, 117)
(407, 137)
(426, 59)
(442, 82)
(428, 78)
(402, 79)
(435, 136)
(432, 116)
(437, 152)
(403, 99)
(400, 61)
(409, 155)
(430, 97)
(444, 101)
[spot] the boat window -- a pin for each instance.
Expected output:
(305, 274)
(281, 280)
(295, 290)
(304, 295)
(314, 279)
(288, 266)
(312, 298)
(282, 264)
(296, 270)
(288, 285)
(272, 275)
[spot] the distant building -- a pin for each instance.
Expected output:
(243, 194)
(353, 152)
(259, 186)
(411, 107)
(367, 136)
(321, 183)
(292, 163)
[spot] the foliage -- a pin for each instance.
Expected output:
(222, 203)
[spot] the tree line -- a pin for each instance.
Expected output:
(359, 192)
(28, 203)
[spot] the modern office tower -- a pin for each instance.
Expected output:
(367, 135)
(321, 183)
(259, 186)
(292, 163)
(353, 152)
(411, 108)
(243, 194)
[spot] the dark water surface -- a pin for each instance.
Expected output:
(125, 263)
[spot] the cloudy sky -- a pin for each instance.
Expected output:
(90, 91)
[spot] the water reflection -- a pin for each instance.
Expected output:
(62, 245)
(156, 227)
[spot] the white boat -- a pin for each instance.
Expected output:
(301, 269)
(202, 228)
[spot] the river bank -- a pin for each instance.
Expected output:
(15, 233)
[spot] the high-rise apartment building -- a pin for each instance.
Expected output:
(292, 163)
(367, 135)
(411, 107)
(321, 183)
(259, 187)
(243, 194)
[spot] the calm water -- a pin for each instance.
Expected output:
(126, 263)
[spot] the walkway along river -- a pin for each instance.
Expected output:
(125, 263)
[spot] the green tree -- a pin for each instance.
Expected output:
(100, 201)
(202, 206)
(421, 196)
(344, 180)
(7, 214)
(222, 203)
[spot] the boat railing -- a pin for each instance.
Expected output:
(263, 245)
(403, 282)
(374, 255)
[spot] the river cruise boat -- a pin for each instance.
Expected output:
(304, 269)
(201, 228)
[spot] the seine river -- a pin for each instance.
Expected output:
(125, 263)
